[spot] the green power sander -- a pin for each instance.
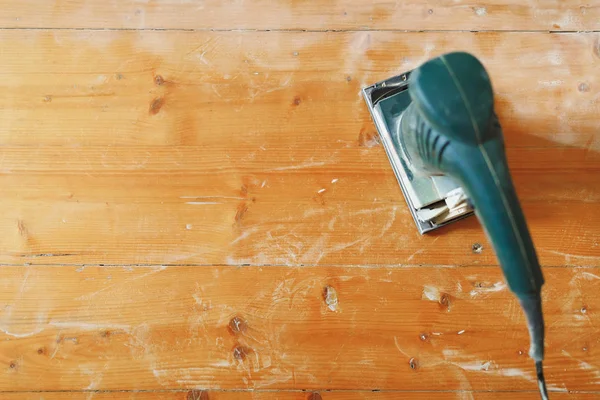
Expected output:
(445, 144)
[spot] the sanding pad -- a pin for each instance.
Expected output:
(434, 200)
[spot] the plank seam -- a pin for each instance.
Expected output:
(291, 391)
(366, 266)
(300, 30)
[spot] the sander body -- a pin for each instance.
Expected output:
(443, 138)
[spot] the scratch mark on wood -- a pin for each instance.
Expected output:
(482, 290)
(245, 235)
(95, 382)
(569, 256)
(197, 395)
(21, 335)
(431, 293)
(241, 211)
(589, 276)
(414, 254)
(58, 342)
(299, 166)
(125, 282)
(22, 228)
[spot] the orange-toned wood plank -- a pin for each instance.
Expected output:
(220, 205)
(273, 90)
(422, 328)
(231, 138)
(282, 395)
(321, 15)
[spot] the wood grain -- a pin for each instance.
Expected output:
(194, 197)
(254, 148)
(284, 90)
(168, 205)
(315, 328)
(297, 15)
(282, 395)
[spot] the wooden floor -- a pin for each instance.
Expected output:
(196, 205)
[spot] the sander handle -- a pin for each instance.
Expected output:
(454, 130)
(451, 127)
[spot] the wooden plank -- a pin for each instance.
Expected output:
(321, 15)
(116, 144)
(168, 205)
(282, 395)
(408, 329)
(273, 89)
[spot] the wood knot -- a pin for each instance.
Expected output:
(105, 334)
(314, 396)
(156, 105)
(430, 11)
(368, 138)
(12, 365)
(237, 325)
(197, 395)
(330, 297)
(583, 87)
(240, 352)
(41, 350)
(584, 309)
(297, 101)
(159, 80)
(413, 363)
(445, 301)
(477, 248)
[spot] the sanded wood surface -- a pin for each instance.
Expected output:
(295, 14)
(282, 90)
(102, 205)
(194, 197)
(282, 395)
(256, 148)
(102, 328)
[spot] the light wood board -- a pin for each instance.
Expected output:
(255, 148)
(536, 15)
(420, 328)
(194, 197)
(283, 395)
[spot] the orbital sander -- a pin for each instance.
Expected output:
(445, 143)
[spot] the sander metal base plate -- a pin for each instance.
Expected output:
(434, 200)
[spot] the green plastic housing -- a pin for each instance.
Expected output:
(451, 127)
